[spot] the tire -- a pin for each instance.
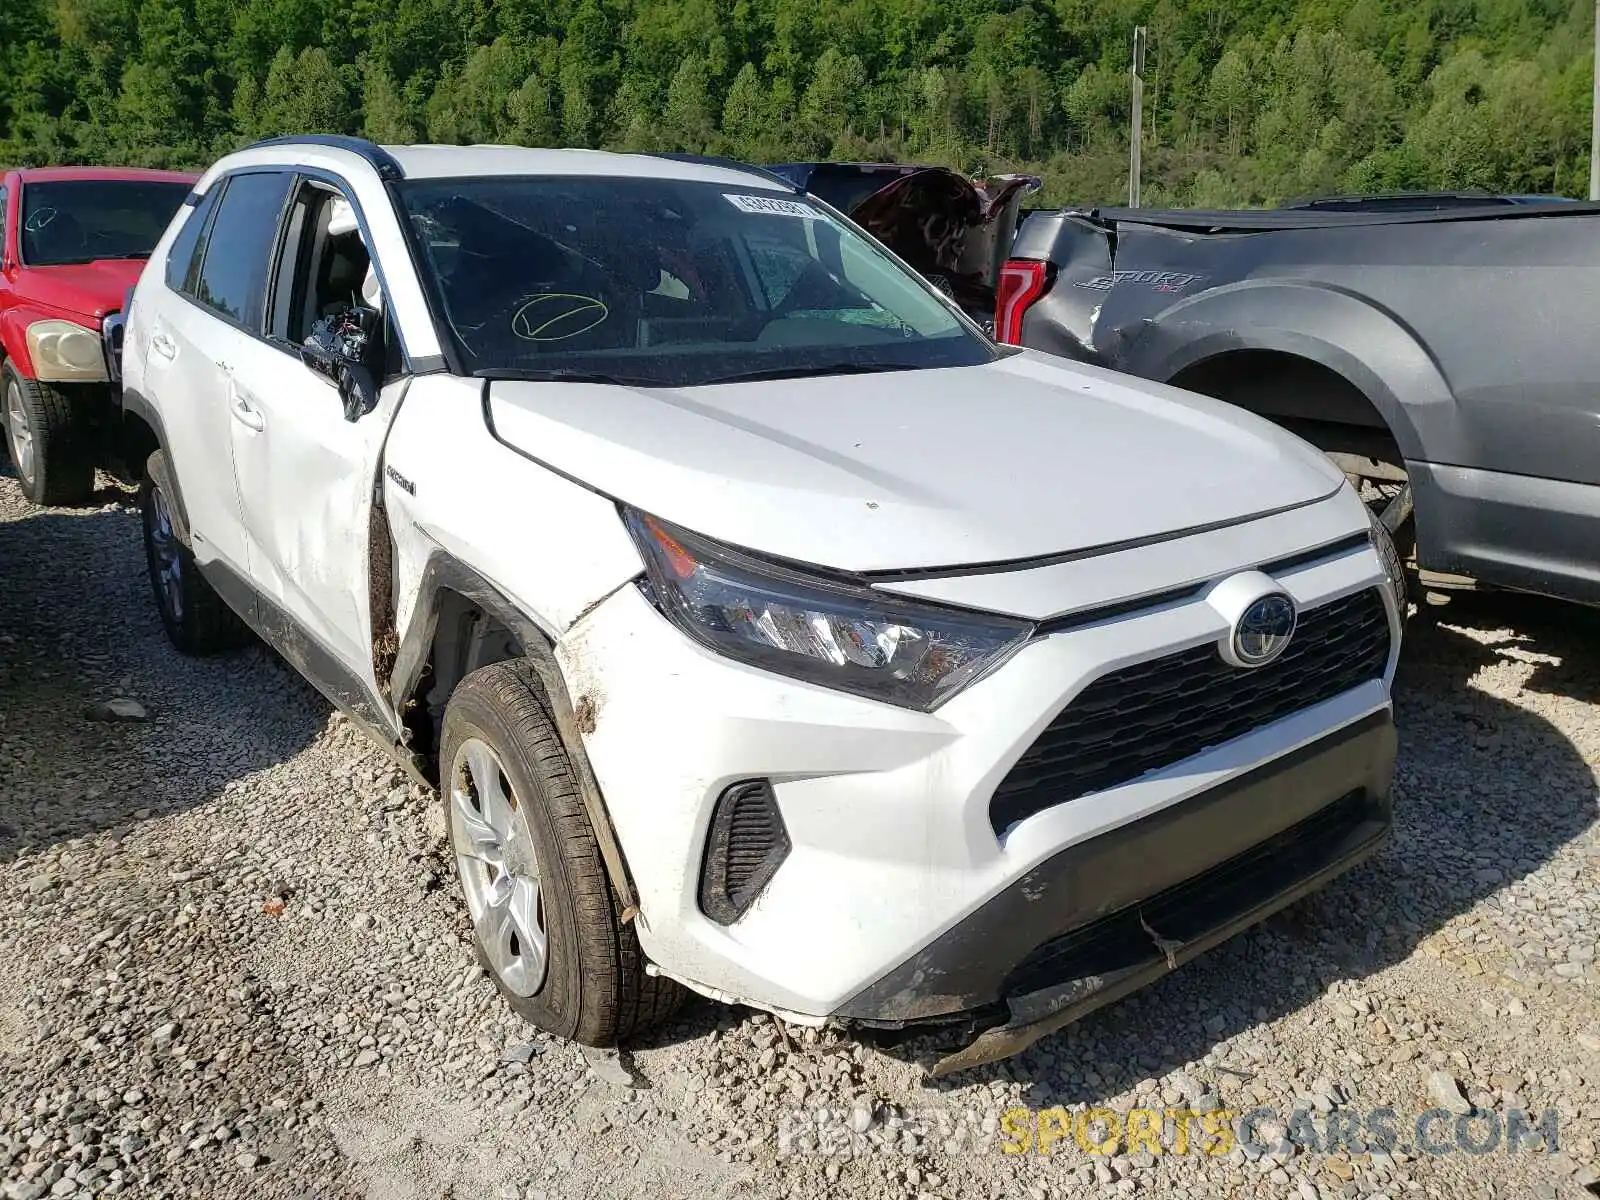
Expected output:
(1401, 550)
(48, 441)
(197, 620)
(504, 770)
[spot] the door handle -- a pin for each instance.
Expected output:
(247, 414)
(162, 346)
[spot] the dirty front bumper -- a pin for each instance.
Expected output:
(1105, 917)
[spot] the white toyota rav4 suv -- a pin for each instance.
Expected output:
(765, 627)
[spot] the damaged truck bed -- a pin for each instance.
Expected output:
(1445, 355)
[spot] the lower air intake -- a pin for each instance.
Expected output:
(745, 846)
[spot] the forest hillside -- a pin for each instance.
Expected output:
(1246, 101)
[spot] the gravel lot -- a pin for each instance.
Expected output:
(232, 960)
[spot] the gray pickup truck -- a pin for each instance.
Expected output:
(1445, 354)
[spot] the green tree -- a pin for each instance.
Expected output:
(1246, 102)
(247, 103)
(589, 62)
(1231, 96)
(304, 94)
(833, 101)
(385, 117)
(1454, 138)
(471, 105)
(532, 111)
(687, 120)
(746, 112)
(148, 111)
(633, 115)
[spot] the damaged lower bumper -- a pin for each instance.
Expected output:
(1102, 919)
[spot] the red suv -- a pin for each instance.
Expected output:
(76, 239)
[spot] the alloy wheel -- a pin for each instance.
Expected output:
(19, 432)
(499, 868)
(165, 550)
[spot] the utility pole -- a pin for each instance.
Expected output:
(1138, 113)
(1594, 119)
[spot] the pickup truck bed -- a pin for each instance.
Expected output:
(1453, 351)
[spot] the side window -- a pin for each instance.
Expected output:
(238, 253)
(184, 254)
(325, 276)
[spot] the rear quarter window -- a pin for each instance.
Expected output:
(184, 252)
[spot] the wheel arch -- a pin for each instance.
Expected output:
(1353, 339)
(459, 623)
(137, 440)
(142, 429)
(1301, 394)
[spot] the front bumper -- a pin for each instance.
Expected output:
(887, 811)
(1104, 918)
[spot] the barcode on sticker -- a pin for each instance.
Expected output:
(771, 206)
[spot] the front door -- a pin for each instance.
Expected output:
(306, 474)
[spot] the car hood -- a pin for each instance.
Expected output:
(1027, 457)
(89, 290)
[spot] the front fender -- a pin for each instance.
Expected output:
(14, 322)
(446, 573)
(1367, 345)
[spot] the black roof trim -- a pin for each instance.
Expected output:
(1416, 200)
(1264, 220)
(727, 164)
(383, 162)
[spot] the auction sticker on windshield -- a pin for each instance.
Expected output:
(771, 206)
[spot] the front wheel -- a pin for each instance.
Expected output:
(1390, 505)
(48, 440)
(546, 922)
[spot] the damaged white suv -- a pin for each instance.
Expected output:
(766, 628)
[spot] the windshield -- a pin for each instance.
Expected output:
(81, 220)
(667, 283)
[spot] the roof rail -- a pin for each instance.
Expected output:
(383, 162)
(728, 164)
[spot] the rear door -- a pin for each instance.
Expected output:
(216, 280)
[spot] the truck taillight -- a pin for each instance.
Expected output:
(1022, 281)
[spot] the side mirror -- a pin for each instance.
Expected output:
(340, 347)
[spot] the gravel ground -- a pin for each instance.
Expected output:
(233, 962)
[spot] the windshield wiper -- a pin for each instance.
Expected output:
(838, 368)
(556, 375)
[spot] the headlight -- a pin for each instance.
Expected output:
(831, 632)
(65, 352)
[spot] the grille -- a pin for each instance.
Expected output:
(1189, 909)
(744, 849)
(1154, 714)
